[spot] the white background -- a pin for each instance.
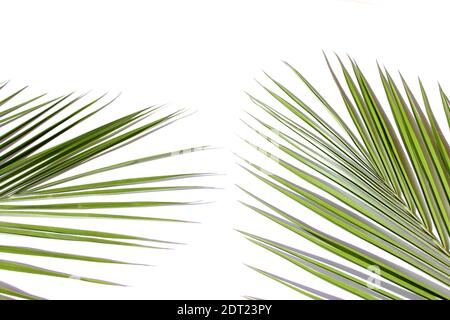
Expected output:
(201, 55)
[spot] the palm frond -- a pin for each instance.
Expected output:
(37, 171)
(382, 176)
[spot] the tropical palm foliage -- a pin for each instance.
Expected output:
(382, 176)
(37, 177)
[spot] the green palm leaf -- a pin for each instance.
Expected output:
(383, 177)
(37, 172)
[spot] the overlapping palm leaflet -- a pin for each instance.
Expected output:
(35, 174)
(385, 178)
